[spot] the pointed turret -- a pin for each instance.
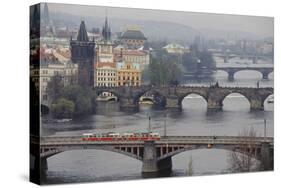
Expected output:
(82, 33)
(106, 33)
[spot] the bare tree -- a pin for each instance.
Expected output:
(190, 170)
(243, 158)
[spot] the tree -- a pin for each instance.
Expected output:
(190, 170)
(82, 97)
(54, 88)
(63, 108)
(244, 159)
(164, 70)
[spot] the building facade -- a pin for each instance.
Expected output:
(140, 57)
(128, 74)
(106, 75)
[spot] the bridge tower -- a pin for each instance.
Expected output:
(82, 53)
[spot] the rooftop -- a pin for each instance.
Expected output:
(133, 34)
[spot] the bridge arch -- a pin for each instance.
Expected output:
(235, 94)
(121, 150)
(255, 74)
(226, 148)
(152, 95)
(195, 95)
(268, 102)
(271, 75)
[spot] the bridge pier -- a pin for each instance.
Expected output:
(213, 104)
(266, 157)
(150, 165)
(256, 104)
(265, 75)
(172, 102)
(225, 59)
(43, 165)
(128, 105)
(231, 76)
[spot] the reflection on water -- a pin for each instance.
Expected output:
(194, 119)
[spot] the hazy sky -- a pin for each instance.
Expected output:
(262, 26)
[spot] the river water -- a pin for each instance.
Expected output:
(98, 165)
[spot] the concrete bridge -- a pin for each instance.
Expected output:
(157, 155)
(172, 96)
(231, 70)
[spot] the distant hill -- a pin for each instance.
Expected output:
(153, 30)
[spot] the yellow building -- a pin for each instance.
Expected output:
(128, 74)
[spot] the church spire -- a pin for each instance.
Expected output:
(106, 33)
(82, 33)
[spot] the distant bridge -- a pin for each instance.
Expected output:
(253, 57)
(157, 155)
(172, 96)
(231, 70)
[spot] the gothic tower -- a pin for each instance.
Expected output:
(105, 46)
(82, 53)
(106, 32)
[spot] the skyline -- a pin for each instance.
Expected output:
(260, 26)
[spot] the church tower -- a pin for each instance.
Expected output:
(82, 53)
(105, 46)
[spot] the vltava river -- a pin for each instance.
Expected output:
(98, 165)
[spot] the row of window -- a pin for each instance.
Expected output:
(106, 79)
(104, 74)
(106, 84)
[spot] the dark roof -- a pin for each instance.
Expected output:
(82, 33)
(133, 34)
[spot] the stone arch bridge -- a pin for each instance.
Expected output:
(265, 71)
(157, 155)
(172, 96)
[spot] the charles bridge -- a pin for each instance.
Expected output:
(172, 96)
(157, 155)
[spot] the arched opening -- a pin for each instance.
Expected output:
(203, 161)
(235, 102)
(44, 109)
(220, 75)
(107, 103)
(248, 75)
(269, 103)
(151, 99)
(106, 96)
(194, 102)
(271, 76)
(91, 165)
